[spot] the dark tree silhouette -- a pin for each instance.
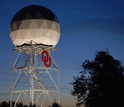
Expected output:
(7, 104)
(32, 105)
(55, 104)
(101, 82)
(4, 104)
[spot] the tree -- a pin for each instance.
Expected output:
(101, 82)
(4, 104)
(55, 104)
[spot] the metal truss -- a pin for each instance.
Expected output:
(31, 81)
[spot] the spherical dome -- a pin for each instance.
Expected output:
(35, 24)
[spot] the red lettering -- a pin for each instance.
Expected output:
(46, 59)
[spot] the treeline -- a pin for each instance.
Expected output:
(7, 104)
(20, 104)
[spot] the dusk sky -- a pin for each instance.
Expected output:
(87, 26)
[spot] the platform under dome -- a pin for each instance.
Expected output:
(35, 23)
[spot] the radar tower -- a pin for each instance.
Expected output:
(35, 60)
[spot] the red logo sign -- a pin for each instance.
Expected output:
(46, 58)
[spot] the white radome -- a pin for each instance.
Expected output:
(37, 24)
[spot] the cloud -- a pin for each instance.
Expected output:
(107, 25)
(106, 16)
(110, 25)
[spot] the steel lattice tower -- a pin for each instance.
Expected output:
(32, 82)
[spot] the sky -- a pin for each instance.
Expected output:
(86, 26)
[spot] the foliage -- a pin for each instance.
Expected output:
(101, 82)
(4, 104)
(7, 104)
(55, 104)
(32, 105)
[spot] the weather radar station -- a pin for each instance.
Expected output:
(34, 31)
